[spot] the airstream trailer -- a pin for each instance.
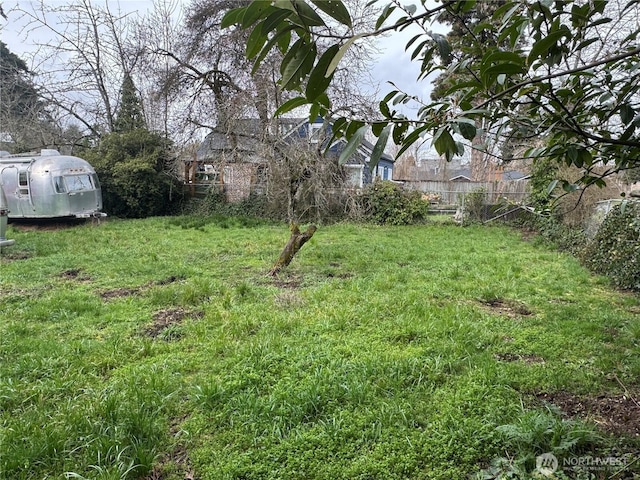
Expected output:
(49, 185)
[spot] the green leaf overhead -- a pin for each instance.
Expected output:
(541, 47)
(307, 15)
(318, 80)
(444, 143)
(515, 68)
(341, 52)
(386, 13)
(627, 113)
(297, 64)
(290, 105)
(255, 11)
(467, 128)
(255, 43)
(232, 17)
(352, 145)
(274, 20)
(335, 9)
(281, 39)
(379, 147)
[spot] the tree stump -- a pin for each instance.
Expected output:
(295, 243)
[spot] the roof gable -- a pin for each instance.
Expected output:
(246, 136)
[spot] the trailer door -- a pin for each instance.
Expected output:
(13, 190)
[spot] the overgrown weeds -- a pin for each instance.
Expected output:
(381, 352)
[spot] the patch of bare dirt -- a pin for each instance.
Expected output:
(119, 293)
(9, 255)
(342, 276)
(616, 414)
(517, 357)
(128, 292)
(75, 274)
(288, 299)
(290, 281)
(562, 301)
(179, 460)
(528, 234)
(33, 224)
(168, 280)
(165, 319)
(509, 308)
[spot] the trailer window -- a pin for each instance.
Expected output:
(78, 183)
(96, 182)
(23, 183)
(58, 182)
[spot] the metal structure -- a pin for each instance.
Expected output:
(4, 214)
(49, 185)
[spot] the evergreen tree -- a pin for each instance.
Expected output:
(23, 115)
(18, 93)
(464, 24)
(130, 116)
(131, 168)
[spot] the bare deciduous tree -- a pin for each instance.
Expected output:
(82, 63)
(304, 183)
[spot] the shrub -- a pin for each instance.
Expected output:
(215, 203)
(473, 206)
(563, 237)
(615, 250)
(543, 172)
(130, 167)
(386, 203)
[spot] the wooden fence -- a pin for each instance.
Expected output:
(450, 193)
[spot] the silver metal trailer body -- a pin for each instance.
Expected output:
(49, 185)
(4, 211)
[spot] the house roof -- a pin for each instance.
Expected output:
(515, 175)
(244, 136)
(460, 174)
(370, 146)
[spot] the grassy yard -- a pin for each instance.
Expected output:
(159, 349)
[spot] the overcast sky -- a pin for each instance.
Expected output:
(391, 64)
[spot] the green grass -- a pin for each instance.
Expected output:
(161, 347)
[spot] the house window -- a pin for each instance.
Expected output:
(354, 176)
(262, 174)
(227, 175)
(284, 128)
(383, 172)
(315, 132)
(208, 173)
